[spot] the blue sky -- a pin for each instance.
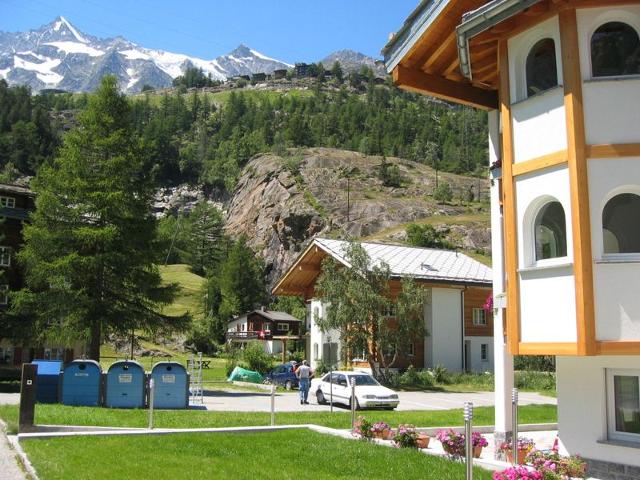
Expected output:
(291, 30)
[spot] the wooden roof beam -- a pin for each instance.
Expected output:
(419, 81)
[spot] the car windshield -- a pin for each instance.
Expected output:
(365, 380)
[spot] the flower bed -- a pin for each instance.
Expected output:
(546, 465)
(453, 443)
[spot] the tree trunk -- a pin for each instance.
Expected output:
(95, 340)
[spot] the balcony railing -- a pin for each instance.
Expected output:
(249, 335)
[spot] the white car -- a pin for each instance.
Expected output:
(369, 393)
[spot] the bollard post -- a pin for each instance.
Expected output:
(151, 400)
(468, 439)
(331, 387)
(273, 404)
(27, 397)
(353, 403)
(514, 414)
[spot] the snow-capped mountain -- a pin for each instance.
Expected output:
(59, 56)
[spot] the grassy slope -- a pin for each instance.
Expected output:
(188, 299)
(283, 455)
(65, 415)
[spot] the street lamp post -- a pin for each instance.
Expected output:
(330, 374)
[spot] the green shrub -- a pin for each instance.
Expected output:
(443, 193)
(536, 380)
(441, 374)
(322, 368)
(409, 377)
(425, 378)
(256, 358)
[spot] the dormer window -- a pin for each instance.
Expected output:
(8, 202)
(621, 224)
(541, 66)
(615, 50)
(550, 230)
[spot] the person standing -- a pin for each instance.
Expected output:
(304, 374)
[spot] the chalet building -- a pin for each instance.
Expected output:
(456, 288)
(279, 74)
(16, 203)
(561, 84)
(301, 70)
(273, 329)
(259, 77)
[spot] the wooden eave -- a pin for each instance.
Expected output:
(425, 57)
(300, 278)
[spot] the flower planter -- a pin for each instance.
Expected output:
(423, 441)
(386, 434)
(522, 454)
(477, 451)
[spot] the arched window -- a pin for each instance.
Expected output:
(615, 50)
(542, 71)
(621, 224)
(315, 351)
(550, 230)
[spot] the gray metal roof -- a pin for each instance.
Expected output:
(418, 263)
(271, 315)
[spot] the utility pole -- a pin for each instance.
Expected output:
(348, 196)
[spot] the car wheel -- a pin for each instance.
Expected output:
(320, 397)
(288, 385)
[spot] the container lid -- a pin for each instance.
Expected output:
(48, 367)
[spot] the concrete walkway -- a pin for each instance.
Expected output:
(9, 469)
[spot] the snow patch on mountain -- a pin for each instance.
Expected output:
(44, 70)
(75, 47)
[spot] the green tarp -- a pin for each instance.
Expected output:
(242, 375)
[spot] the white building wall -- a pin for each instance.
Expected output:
(446, 330)
(547, 287)
(615, 100)
(582, 407)
(617, 306)
(317, 338)
(476, 364)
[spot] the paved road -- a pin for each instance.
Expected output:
(244, 401)
(290, 402)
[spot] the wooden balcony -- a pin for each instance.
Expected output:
(248, 335)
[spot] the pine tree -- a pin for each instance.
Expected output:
(88, 254)
(204, 241)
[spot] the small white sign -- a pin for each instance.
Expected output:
(168, 379)
(81, 374)
(125, 378)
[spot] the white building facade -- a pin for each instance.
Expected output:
(561, 84)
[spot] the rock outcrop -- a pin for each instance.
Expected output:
(281, 203)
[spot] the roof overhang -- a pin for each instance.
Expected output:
(449, 48)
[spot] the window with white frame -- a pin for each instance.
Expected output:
(283, 327)
(6, 355)
(541, 67)
(620, 226)
(479, 317)
(484, 352)
(390, 310)
(266, 326)
(4, 294)
(615, 50)
(550, 232)
(5, 256)
(54, 353)
(9, 202)
(623, 404)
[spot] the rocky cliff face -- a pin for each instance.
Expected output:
(281, 203)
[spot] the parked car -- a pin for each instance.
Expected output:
(283, 375)
(369, 393)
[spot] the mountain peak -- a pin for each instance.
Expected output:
(62, 26)
(241, 51)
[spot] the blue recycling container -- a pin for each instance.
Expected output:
(81, 383)
(125, 386)
(47, 380)
(171, 384)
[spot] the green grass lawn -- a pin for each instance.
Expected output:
(65, 415)
(188, 298)
(283, 455)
